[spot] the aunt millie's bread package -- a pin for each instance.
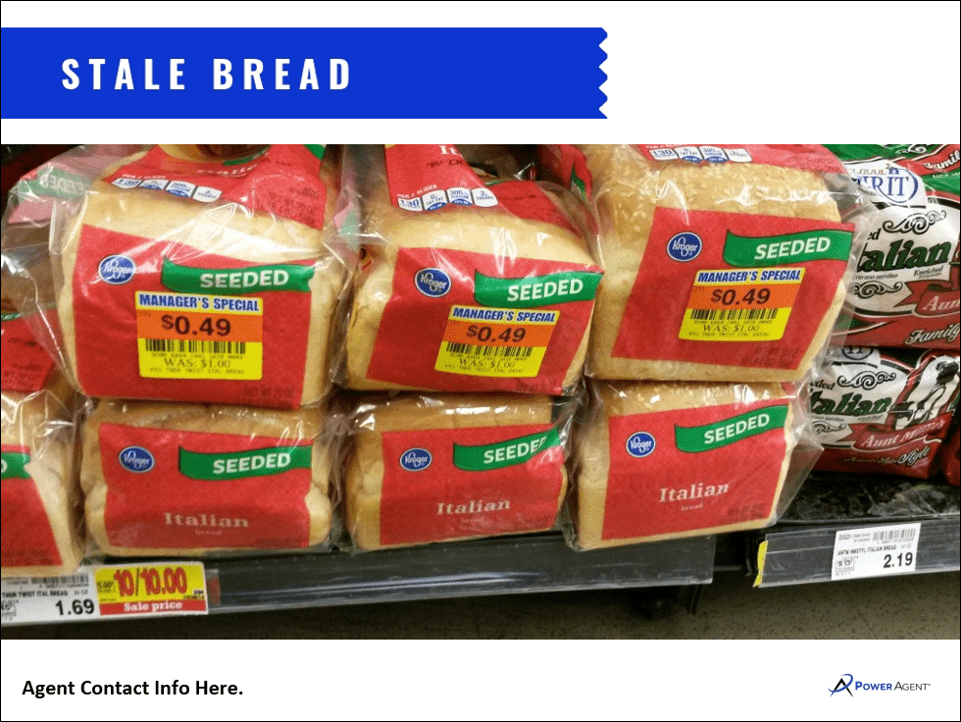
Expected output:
(165, 479)
(665, 460)
(446, 467)
(907, 289)
(471, 281)
(721, 262)
(198, 278)
(885, 411)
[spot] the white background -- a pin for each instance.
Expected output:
(712, 72)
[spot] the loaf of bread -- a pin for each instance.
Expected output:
(671, 460)
(145, 232)
(182, 480)
(884, 411)
(629, 189)
(42, 523)
(526, 234)
(450, 467)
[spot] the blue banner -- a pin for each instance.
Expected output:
(429, 73)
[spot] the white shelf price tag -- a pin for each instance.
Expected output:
(875, 551)
(30, 600)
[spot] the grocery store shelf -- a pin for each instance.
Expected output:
(800, 548)
(508, 565)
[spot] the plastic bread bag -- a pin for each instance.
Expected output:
(448, 467)
(884, 410)
(478, 283)
(666, 460)
(189, 278)
(25, 236)
(951, 459)
(164, 479)
(42, 526)
(905, 291)
(721, 263)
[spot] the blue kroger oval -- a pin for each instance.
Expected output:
(684, 246)
(640, 444)
(432, 282)
(136, 459)
(415, 459)
(116, 270)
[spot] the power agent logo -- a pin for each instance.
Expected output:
(848, 684)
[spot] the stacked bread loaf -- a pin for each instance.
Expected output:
(724, 274)
(475, 298)
(885, 403)
(196, 291)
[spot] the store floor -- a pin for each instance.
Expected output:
(914, 607)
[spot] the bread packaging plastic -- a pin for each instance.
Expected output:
(42, 526)
(906, 289)
(721, 262)
(202, 279)
(167, 479)
(447, 467)
(474, 282)
(884, 410)
(28, 273)
(669, 460)
(951, 459)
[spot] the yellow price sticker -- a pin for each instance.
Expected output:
(175, 588)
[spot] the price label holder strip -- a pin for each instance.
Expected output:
(107, 591)
(837, 552)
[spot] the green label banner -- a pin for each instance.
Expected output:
(244, 464)
(235, 281)
(14, 465)
(504, 453)
(819, 245)
(535, 291)
(694, 439)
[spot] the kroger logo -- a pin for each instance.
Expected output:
(640, 444)
(432, 282)
(137, 459)
(415, 459)
(684, 247)
(116, 270)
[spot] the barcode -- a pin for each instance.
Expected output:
(173, 345)
(886, 535)
(742, 314)
(73, 580)
(467, 349)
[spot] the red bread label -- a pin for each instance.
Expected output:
(24, 364)
(874, 412)
(126, 288)
(465, 321)
(428, 178)
(25, 533)
(690, 469)
(732, 289)
(454, 483)
(815, 158)
(283, 180)
(187, 490)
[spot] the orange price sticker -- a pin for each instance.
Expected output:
(745, 304)
(495, 342)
